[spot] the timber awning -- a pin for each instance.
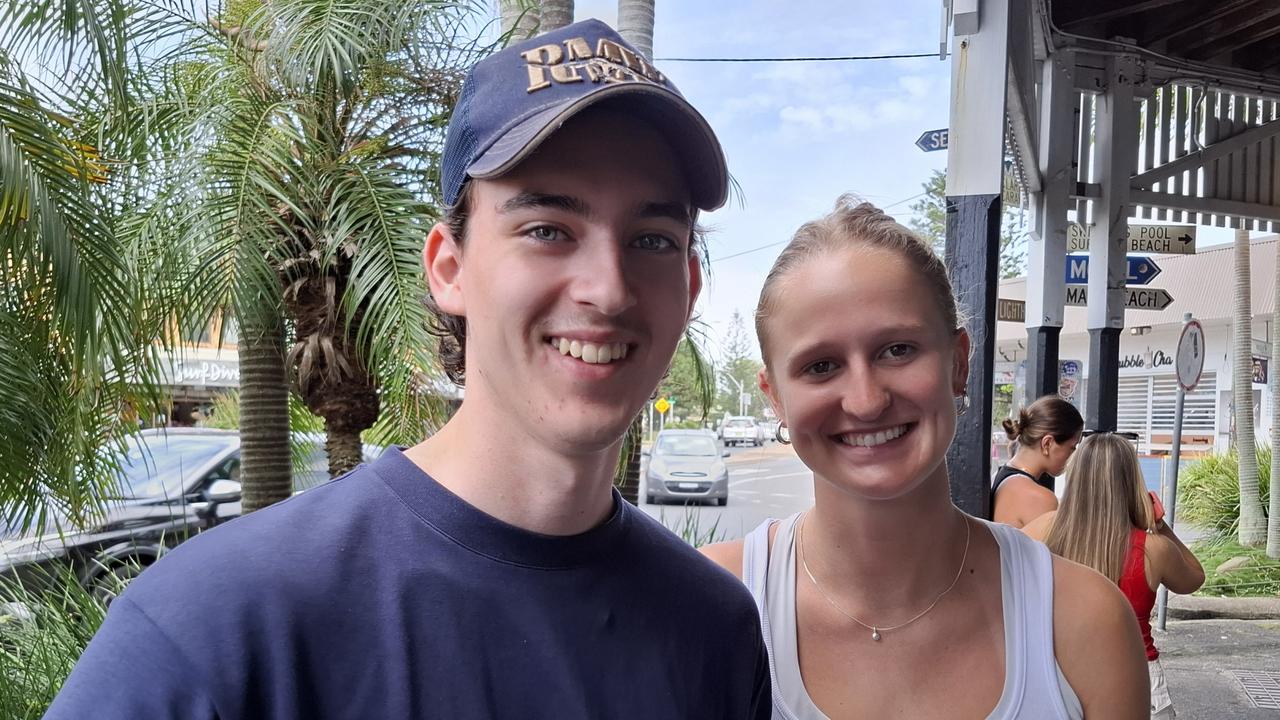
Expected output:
(1238, 34)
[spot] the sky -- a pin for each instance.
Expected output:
(797, 135)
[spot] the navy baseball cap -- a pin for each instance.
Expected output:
(514, 99)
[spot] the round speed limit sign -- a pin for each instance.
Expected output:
(1189, 360)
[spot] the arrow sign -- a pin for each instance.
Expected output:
(933, 140)
(1141, 271)
(1134, 298)
(1150, 239)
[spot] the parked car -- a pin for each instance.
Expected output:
(175, 482)
(742, 430)
(687, 465)
(769, 428)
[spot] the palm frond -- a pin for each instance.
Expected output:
(378, 226)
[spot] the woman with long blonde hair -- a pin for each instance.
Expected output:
(1109, 522)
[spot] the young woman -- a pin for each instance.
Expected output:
(1045, 434)
(1110, 523)
(884, 599)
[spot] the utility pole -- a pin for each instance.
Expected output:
(742, 392)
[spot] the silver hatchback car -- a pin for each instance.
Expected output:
(687, 465)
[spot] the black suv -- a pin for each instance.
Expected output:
(175, 483)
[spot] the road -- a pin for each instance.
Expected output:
(763, 482)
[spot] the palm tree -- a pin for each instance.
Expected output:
(555, 14)
(77, 325)
(329, 119)
(1273, 515)
(520, 18)
(1253, 524)
(279, 164)
(635, 24)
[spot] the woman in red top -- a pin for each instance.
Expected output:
(1109, 522)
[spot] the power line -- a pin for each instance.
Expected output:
(833, 58)
(783, 242)
(748, 252)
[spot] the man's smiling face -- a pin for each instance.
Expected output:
(576, 281)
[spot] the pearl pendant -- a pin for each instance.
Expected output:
(875, 634)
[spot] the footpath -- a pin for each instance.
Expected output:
(1222, 667)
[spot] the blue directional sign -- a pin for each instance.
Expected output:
(933, 140)
(1142, 270)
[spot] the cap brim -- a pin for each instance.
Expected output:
(671, 115)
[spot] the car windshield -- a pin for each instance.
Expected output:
(740, 423)
(686, 445)
(160, 465)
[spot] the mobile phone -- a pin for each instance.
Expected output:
(1157, 507)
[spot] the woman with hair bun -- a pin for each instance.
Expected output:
(1045, 434)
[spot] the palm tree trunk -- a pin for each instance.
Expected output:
(556, 14)
(635, 24)
(1253, 525)
(1273, 516)
(344, 449)
(265, 467)
(520, 18)
(349, 406)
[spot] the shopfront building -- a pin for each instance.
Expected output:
(1201, 285)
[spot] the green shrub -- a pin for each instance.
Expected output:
(42, 634)
(1260, 577)
(689, 527)
(1209, 490)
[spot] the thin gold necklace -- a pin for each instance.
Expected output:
(876, 629)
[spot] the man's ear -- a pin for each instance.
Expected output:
(442, 261)
(695, 283)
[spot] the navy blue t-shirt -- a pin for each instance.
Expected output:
(383, 595)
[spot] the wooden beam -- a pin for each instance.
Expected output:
(1118, 12)
(1194, 19)
(1230, 42)
(1242, 22)
(1211, 206)
(1208, 154)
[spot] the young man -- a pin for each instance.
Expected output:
(491, 571)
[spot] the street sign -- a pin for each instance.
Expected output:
(1188, 362)
(662, 405)
(933, 140)
(1011, 310)
(1134, 298)
(1189, 357)
(1149, 239)
(1068, 380)
(1142, 270)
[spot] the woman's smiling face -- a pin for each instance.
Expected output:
(863, 368)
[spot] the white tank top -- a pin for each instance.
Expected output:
(1034, 686)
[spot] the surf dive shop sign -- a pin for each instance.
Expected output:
(1154, 360)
